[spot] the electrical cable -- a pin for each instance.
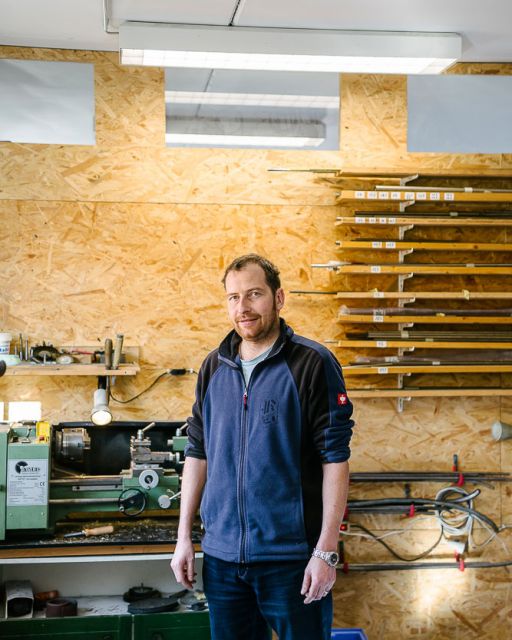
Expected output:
(394, 566)
(393, 552)
(167, 372)
(390, 505)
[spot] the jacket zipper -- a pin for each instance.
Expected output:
(243, 455)
(241, 481)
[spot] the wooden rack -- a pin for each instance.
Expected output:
(388, 205)
(424, 196)
(423, 269)
(421, 344)
(451, 392)
(424, 319)
(408, 296)
(405, 245)
(364, 370)
(397, 220)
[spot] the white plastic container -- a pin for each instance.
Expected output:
(5, 343)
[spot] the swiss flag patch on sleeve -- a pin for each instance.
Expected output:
(342, 398)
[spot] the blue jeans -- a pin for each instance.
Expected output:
(246, 600)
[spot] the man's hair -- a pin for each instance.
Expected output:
(270, 270)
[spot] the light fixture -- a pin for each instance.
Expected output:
(501, 430)
(100, 414)
(244, 132)
(271, 49)
(252, 99)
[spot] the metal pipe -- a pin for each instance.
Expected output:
(398, 566)
(83, 500)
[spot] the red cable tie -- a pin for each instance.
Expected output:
(461, 480)
(460, 559)
(412, 511)
(344, 567)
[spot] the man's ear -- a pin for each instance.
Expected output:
(279, 299)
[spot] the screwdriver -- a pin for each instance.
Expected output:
(96, 531)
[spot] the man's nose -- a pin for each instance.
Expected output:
(243, 304)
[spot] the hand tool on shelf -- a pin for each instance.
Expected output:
(95, 531)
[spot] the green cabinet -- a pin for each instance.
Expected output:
(172, 626)
(83, 628)
(156, 626)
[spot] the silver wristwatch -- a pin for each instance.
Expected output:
(331, 557)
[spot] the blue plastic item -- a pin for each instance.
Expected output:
(348, 634)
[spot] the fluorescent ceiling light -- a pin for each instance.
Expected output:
(209, 140)
(318, 50)
(244, 132)
(252, 99)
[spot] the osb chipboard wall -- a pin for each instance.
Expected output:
(129, 236)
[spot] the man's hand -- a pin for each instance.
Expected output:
(182, 563)
(319, 579)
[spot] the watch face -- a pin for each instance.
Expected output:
(333, 559)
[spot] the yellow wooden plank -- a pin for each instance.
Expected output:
(378, 318)
(421, 344)
(362, 370)
(71, 370)
(447, 221)
(427, 269)
(423, 246)
(402, 195)
(426, 295)
(428, 393)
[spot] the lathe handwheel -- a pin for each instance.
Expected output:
(131, 502)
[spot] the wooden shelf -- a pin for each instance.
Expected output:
(402, 195)
(421, 344)
(408, 319)
(404, 245)
(412, 296)
(447, 221)
(455, 392)
(426, 295)
(130, 369)
(423, 269)
(368, 370)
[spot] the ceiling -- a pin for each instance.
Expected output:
(486, 27)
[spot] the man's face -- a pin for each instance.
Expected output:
(252, 307)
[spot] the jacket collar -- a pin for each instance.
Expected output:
(228, 349)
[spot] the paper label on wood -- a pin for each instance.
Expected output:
(435, 195)
(360, 195)
(382, 370)
(383, 195)
(360, 220)
(395, 195)
(421, 195)
(382, 344)
(372, 195)
(375, 268)
(449, 196)
(376, 244)
(390, 245)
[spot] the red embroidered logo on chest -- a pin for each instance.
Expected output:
(342, 398)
